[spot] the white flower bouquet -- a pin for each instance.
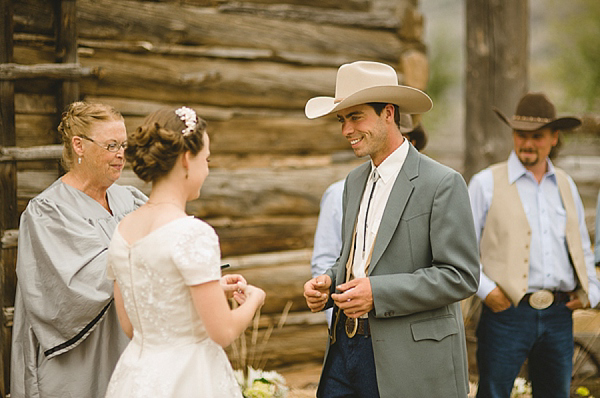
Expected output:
(261, 384)
(521, 388)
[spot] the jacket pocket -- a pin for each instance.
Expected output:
(435, 328)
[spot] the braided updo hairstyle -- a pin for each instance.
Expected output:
(77, 121)
(153, 148)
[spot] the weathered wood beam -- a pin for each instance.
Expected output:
(359, 19)
(9, 238)
(264, 234)
(205, 81)
(8, 190)
(33, 40)
(292, 344)
(34, 16)
(87, 48)
(44, 152)
(497, 67)
(129, 20)
(282, 284)
(12, 71)
(66, 50)
(293, 318)
(142, 47)
(360, 5)
(238, 263)
(35, 104)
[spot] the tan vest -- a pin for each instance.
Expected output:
(506, 237)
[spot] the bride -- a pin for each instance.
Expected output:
(169, 292)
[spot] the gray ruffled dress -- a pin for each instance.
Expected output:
(66, 335)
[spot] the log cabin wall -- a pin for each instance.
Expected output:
(248, 69)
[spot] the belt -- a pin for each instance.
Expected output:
(544, 298)
(354, 326)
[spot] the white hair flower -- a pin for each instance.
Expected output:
(187, 116)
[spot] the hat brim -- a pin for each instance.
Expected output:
(562, 123)
(409, 100)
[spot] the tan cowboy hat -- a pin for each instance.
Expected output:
(534, 112)
(362, 82)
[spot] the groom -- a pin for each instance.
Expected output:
(409, 252)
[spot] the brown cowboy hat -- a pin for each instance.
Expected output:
(535, 112)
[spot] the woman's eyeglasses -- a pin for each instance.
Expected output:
(112, 147)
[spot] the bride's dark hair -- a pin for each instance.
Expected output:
(153, 147)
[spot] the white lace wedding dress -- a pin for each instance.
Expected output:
(170, 354)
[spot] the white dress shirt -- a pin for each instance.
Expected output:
(388, 171)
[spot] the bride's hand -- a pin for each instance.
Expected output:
(255, 294)
(233, 283)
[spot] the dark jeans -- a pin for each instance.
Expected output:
(350, 368)
(507, 338)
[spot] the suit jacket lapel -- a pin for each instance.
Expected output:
(401, 192)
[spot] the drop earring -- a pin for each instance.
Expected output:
(79, 160)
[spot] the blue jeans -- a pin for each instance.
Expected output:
(507, 338)
(350, 368)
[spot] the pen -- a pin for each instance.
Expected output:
(225, 266)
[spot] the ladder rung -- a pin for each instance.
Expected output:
(12, 71)
(42, 152)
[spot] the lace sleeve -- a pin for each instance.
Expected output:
(196, 253)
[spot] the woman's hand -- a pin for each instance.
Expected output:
(233, 285)
(255, 294)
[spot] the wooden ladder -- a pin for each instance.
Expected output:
(66, 70)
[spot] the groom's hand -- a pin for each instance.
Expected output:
(356, 297)
(316, 292)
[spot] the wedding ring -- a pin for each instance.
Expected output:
(541, 299)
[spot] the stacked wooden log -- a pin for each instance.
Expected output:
(248, 69)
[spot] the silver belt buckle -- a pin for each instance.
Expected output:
(541, 299)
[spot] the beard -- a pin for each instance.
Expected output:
(529, 157)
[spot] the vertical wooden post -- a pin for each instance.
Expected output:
(497, 66)
(66, 52)
(8, 193)
(66, 49)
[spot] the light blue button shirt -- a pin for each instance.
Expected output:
(550, 266)
(328, 236)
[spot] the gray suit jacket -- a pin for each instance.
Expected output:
(425, 260)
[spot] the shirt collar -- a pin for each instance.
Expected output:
(390, 166)
(516, 169)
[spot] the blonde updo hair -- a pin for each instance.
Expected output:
(153, 147)
(77, 121)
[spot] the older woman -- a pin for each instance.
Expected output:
(66, 335)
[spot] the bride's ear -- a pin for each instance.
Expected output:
(185, 162)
